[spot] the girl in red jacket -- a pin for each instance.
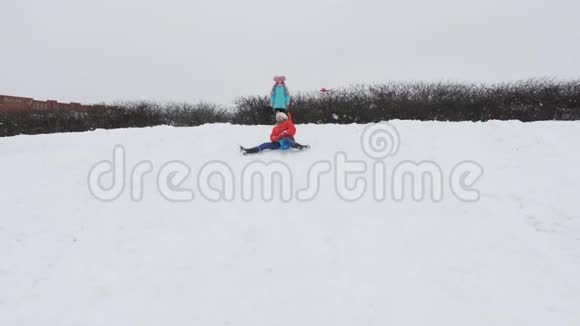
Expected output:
(282, 136)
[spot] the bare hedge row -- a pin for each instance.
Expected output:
(526, 101)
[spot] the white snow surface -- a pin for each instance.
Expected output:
(511, 258)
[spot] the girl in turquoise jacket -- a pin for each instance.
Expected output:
(280, 97)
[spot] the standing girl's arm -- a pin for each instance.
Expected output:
(288, 97)
(272, 96)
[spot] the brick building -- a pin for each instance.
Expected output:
(26, 104)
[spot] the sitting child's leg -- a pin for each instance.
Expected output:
(260, 148)
(288, 143)
(270, 145)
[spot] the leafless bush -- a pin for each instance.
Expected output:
(530, 100)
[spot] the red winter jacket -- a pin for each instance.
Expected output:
(284, 129)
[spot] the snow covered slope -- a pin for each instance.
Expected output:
(510, 258)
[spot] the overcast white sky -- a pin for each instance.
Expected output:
(186, 50)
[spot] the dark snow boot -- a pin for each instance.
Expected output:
(247, 151)
(301, 147)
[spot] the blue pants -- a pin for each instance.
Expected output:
(275, 145)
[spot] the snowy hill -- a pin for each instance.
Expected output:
(496, 246)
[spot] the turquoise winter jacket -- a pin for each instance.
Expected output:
(279, 97)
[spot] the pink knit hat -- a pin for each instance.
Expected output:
(280, 79)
